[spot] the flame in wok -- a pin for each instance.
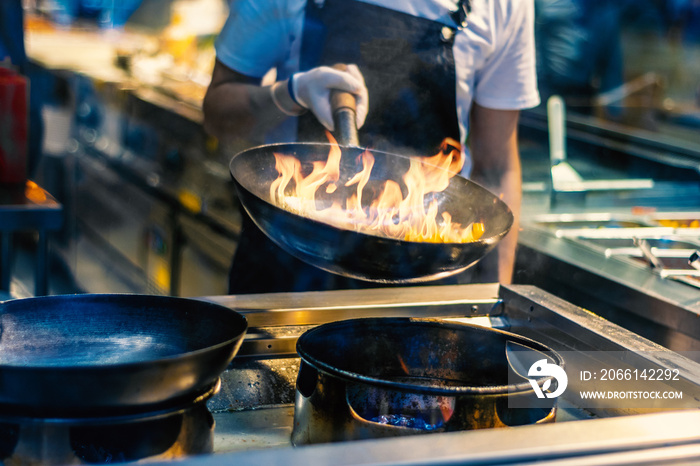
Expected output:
(409, 216)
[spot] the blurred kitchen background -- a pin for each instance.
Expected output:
(147, 201)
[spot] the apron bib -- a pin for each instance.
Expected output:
(408, 68)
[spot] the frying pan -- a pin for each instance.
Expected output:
(112, 354)
(353, 253)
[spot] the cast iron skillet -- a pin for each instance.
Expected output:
(112, 354)
(355, 254)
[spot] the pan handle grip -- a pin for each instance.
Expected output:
(342, 100)
(343, 106)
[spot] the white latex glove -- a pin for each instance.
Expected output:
(312, 90)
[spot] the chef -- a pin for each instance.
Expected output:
(421, 70)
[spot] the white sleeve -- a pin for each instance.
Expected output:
(257, 35)
(508, 79)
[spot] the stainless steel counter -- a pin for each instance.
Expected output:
(591, 260)
(254, 429)
(579, 243)
(636, 440)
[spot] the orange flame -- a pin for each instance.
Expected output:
(404, 367)
(34, 193)
(447, 407)
(389, 213)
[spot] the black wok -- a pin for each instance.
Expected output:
(356, 254)
(82, 355)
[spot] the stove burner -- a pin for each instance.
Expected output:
(403, 420)
(173, 433)
(128, 442)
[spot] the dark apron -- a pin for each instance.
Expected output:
(408, 66)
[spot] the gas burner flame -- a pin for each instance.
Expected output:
(404, 420)
(415, 216)
(435, 413)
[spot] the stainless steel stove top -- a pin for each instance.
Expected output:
(254, 409)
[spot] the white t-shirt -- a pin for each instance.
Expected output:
(494, 54)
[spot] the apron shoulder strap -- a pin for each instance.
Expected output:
(459, 16)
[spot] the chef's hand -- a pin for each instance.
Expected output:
(311, 89)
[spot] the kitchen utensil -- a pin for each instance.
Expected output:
(359, 376)
(111, 354)
(357, 254)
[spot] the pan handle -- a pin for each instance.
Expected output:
(343, 106)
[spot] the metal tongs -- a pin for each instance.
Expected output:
(676, 274)
(644, 246)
